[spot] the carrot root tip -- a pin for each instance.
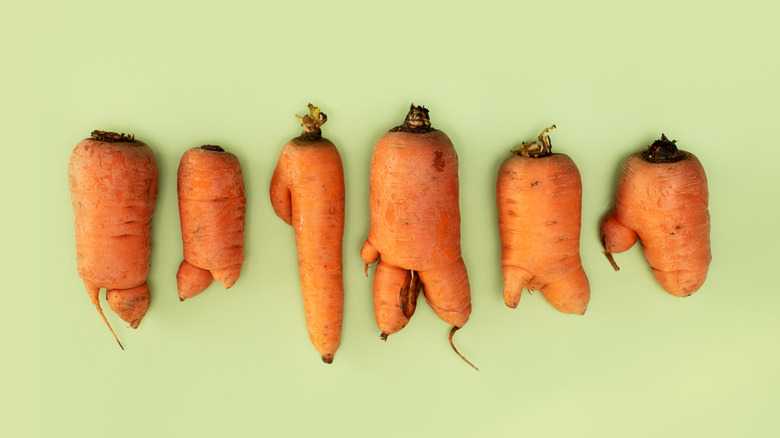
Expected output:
(328, 358)
(383, 336)
(611, 260)
(452, 332)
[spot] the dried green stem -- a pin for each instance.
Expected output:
(312, 122)
(542, 147)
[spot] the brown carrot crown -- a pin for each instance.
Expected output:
(663, 151)
(416, 122)
(213, 147)
(311, 123)
(542, 147)
(111, 137)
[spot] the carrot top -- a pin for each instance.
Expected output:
(312, 122)
(213, 147)
(542, 147)
(111, 137)
(663, 151)
(416, 122)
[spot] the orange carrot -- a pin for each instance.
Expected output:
(113, 186)
(415, 226)
(307, 192)
(212, 206)
(662, 200)
(539, 198)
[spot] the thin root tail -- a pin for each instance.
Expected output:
(452, 332)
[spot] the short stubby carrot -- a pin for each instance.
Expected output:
(212, 210)
(415, 226)
(307, 192)
(662, 199)
(113, 185)
(539, 199)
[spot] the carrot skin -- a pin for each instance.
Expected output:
(539, 215)
(307, 192)
(113, 186)
(665, 205)
(212, 211)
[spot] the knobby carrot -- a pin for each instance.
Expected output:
(415, 226)
(113, 185)
(662, 200)
(307, 192)
(212, 207)
(539, 198)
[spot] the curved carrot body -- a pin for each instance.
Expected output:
(307, 192)
(212, 208)
(113, 185)
(665, 206)
(539, 214)
(415, 229)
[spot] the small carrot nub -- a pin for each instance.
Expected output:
(452, 332)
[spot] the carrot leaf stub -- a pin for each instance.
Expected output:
(111, 137)
(663, 151)
(416, 122)
(542, 147)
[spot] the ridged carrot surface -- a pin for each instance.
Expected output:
(113, 184)
(212, 210)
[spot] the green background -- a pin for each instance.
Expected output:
(612, 75)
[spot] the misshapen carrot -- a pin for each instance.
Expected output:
(539, 199)
(307, 192)
(212, 208)
(113, 185)
(662, 199)
(415, 226)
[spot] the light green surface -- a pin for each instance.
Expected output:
(611, 75)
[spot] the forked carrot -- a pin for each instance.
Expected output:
(539, 199)
(212, 208)
(415, 226)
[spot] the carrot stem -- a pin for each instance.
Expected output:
(111, 137)
(312, 122)
(416, 121)
(663, 151)
(542, 147)
(452, 332)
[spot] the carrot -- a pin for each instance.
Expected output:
(113, 185)
(415, 226)
(212, 207)
(307, 192)
(662, 200)
(539, 199)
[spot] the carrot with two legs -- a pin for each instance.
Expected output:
(212, 210)
(539, 199)
(415, 226)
